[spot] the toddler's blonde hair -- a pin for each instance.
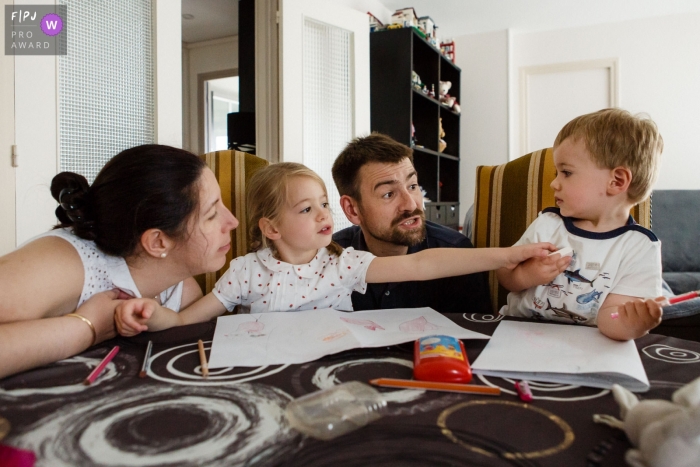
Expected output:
(267, 194)
(616, 138)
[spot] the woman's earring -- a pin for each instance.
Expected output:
(163, 255)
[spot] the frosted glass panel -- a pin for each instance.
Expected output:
(328, 103)
(106, 96)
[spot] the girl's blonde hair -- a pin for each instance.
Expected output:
(267, 194)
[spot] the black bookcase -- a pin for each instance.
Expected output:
(397, 109)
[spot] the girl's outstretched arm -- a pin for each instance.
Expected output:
(436, 263)
(145, 314)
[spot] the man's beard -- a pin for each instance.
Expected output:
(399, 236)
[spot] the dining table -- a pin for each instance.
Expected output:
(172, 416)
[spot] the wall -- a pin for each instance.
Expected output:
(659, 75)
(203, 58)
(483, 59)
(659, 72)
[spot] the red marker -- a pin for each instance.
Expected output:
(523, 390)
(671, 301)
(96, 372)
(684, 297)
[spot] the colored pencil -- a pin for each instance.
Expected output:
(436, 386)
(96, 372)
(203, 359)
(146, 360)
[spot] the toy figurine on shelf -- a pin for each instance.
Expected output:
(441, 143)
(374, 23)
(413, 136)
(406, 17)
(416, 82)
(432, 91)
(446, 99)
(448, 50)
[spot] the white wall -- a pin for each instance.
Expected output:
(200, 58)
(483, 59)
(659, 75)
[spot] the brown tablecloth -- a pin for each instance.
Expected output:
(236, 416)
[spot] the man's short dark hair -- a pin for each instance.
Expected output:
(376, 147)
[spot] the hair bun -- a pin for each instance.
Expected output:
(71, 190)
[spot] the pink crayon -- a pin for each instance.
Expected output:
(96, 372)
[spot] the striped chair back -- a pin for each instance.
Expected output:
(510, 196)
(233, 170)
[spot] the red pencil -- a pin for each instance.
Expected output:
(96, 372)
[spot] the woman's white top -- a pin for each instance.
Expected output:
(105, 272)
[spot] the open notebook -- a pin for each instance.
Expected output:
(302, 336)
(561, 354)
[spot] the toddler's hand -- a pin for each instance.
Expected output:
(639, 315)
(544, 270)
(132, 315)
(517, 254)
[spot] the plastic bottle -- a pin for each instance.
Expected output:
(335, 411)
(441, 358)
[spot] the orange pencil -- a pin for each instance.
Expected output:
(203, 359)
(98, 369)
(436, 386)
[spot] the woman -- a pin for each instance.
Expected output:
(152, 219)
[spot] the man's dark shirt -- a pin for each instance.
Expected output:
(460, 294)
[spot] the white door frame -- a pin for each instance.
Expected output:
(7, 141)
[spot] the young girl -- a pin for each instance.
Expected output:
(294, 265)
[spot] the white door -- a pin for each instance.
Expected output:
(36, 113)
(36, 136)
(324, 85)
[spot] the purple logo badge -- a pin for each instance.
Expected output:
(51, 24)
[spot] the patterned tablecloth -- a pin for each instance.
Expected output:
(235, 417)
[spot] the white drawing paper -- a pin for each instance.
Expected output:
(561, 354)
(299, 337)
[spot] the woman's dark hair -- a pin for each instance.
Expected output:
(145, 187)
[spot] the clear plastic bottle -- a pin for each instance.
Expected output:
(332, 412)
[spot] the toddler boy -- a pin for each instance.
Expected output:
(606, 163)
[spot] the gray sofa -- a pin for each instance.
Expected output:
(675, 219)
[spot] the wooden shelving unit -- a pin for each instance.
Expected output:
(398, 109)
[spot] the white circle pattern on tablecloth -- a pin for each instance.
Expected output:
(668, 354)
(117, 429)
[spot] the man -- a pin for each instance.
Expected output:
(381, 196)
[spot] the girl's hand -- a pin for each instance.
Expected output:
(132, 315)
(545, 270)
(517, 254)
(100, 309)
